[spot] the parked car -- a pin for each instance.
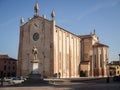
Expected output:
(116, 78)
(7, 79)
(16, 80)
(22, 78)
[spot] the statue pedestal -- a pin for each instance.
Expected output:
(35, 66)
(35, 70)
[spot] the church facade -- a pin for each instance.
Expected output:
(59, 51)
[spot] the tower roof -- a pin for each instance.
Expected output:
(53, 14)
(22, 21)
(36, 9)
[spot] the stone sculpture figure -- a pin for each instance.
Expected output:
(35, 52)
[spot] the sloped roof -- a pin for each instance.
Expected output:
(86, 36)
(100, 45)
(6, 57)
(67, 31)
(114, 63)
(34, 17)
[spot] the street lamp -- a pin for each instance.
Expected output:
(107, 64)
(119, 59)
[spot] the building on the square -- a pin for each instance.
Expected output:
(94, 56)
(59, 51)
(114, 68)
(8, 66)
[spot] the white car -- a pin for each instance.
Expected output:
(7, 79)
(16, 80)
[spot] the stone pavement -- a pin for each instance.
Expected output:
(97, 84)
(76, 86)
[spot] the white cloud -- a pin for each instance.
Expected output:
(97, 7)
(115, 2)
(91, 10)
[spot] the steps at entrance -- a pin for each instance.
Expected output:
(34, 79)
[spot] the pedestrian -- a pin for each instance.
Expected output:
(108, 79)
(59, 74)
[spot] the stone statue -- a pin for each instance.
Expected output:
(35, 52)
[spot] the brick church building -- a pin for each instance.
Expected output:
(59, 51)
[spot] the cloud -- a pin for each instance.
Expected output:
(89, 11)
(115, 2)
(97, 7)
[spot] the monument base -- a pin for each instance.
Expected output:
(35, 73)
(35, 76)
(35, 68)
(34, 79)
(35, 61)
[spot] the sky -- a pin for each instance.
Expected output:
(80, 17)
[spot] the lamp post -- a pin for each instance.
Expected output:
(91, 63)
(108, 78)
(28, 63)
(119, 59)
(106, 63)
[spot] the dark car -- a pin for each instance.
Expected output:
(116, 78)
